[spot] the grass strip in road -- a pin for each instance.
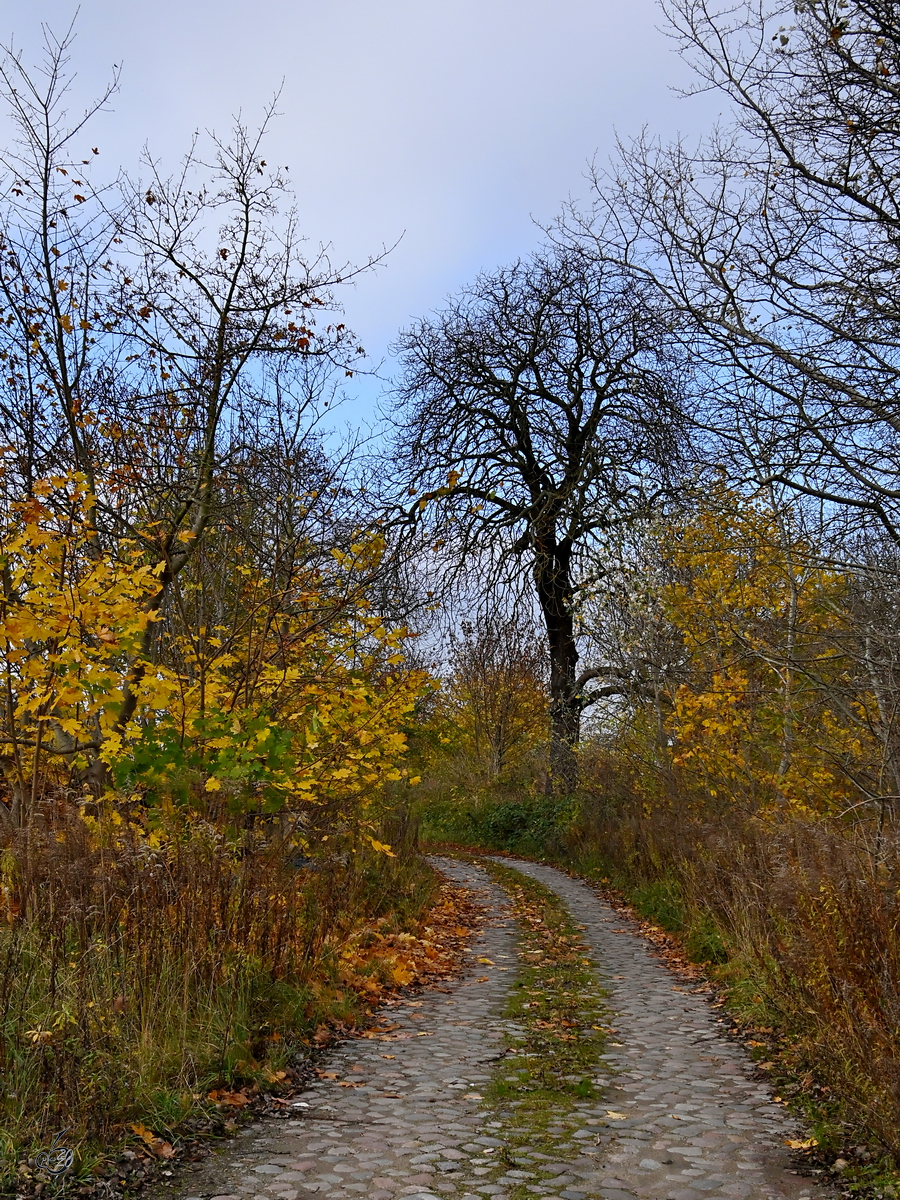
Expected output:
(555, 1063)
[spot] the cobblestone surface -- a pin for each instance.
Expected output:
(403, 1117)
(412, 1115)
(698, 1123)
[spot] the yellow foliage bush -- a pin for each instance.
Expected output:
(301, 703)
(766, 708)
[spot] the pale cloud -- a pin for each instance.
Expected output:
(452, 125)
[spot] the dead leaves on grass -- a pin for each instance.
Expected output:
(378, 962)
(157, 1146)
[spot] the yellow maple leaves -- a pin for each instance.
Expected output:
(71, 617)
(294, 708)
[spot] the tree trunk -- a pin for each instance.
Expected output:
(555, 594)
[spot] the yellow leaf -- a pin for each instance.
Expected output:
(381, 848)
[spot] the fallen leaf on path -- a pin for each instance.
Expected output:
(616, 1116)
(158, 1146)
(796, 1144)
(231, 1099)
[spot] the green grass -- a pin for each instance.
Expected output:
(527, 825)
(557, 997)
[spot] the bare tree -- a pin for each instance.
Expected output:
(777, 240)
(540, 410)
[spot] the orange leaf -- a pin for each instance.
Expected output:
(145, 1134)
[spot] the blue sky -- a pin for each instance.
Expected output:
(449, 126)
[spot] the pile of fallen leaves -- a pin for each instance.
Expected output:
(376, 962)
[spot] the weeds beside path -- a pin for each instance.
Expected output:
(241, 1046)
(432, 1102)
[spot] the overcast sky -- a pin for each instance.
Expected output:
(449, 125)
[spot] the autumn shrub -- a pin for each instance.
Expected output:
(494, 703)
(194, 838)
(482, 751)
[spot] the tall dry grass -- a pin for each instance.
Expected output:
(804, 920)
(137, 972)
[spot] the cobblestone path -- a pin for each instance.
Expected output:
(698, 1122)
(403, 1115)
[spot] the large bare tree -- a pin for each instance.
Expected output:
(777, 240)
(540, 410)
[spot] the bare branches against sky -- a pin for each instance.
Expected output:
(448, 126)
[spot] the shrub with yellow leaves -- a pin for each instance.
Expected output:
(760, 715)
(301, 704)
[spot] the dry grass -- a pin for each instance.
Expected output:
(139, 972)
(804, 922)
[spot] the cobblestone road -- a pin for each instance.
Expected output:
(403, 1116)
(698, 1121)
